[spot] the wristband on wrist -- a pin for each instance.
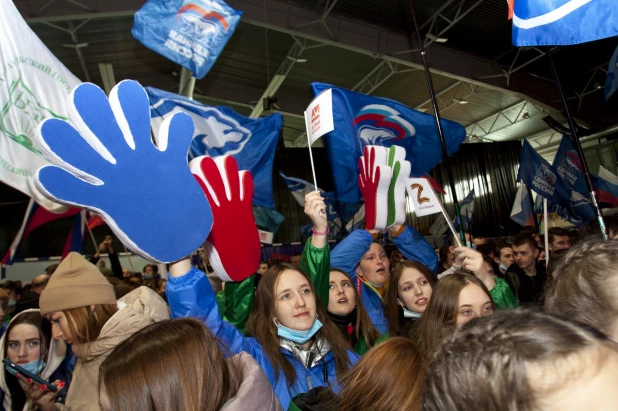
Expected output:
(313, 230)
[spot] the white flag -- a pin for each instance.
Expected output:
(424, 199)
(34, 86)
(319, 116)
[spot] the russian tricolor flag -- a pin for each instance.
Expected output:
(606, 188)
(35, 217)
(522, 210)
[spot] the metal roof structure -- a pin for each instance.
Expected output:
(498, 92)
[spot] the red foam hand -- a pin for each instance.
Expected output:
(373, 181)
(233, 246)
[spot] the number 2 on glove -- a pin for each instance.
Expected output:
(233, 246)
(106, 162)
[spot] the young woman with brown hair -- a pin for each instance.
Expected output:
(523, 361)
(367, 264)
(28, 343)
(390, 377)
(203, 380)
(293, 339)
(82, 307)
(334, 287)
(408, 296)
(455, 300)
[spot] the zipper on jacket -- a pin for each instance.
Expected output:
(309, 382)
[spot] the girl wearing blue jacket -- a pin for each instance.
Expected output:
(367, 264)
(293, 339)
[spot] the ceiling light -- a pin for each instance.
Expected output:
(463, 101)
(436, 38)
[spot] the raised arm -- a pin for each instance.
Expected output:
(315, 260)
(414, 246)
(348, 253)
(189, 294)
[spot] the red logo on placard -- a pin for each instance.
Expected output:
(315, 119)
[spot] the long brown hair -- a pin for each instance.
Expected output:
(86, 323)
(389, 377)
(261, 325)
(364, 326)
(170, 365)
(397, 325)
(42, 324)
(441, 312)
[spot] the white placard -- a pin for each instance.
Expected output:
(319, 116)
(424, 199)
(266, 237)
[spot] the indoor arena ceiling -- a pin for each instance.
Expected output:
(498, 92)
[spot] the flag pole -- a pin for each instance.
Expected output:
(546, 229)
(439, 125)
(578, 145)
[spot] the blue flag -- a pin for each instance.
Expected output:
(541, 177)
(191, 33)
(563, 22)
(362, 120)
(299, 189)
(220, 130)
(569, 167)
(611, 83)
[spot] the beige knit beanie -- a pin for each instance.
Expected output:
(75, 283)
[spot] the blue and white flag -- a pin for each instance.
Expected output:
(611, 83)
(466, 210)
(563, 22)
(521, 212)
(362, 120)
(220, 130)
(606, 188)
(191, 33)
(569, 167)
(299, 189)
(579, 211)
(541, 177)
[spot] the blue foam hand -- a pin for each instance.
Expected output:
(108, 164)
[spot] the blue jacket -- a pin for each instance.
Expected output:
(192, 296)
(348, 253)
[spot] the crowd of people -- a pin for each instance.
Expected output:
(491, 325)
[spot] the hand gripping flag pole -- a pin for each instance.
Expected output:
(578, 146)
(438, 124)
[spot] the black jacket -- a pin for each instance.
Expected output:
(529, 290)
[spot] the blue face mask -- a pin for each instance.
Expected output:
(147, 276)
(503, 267)
(12, 303)
(35, 367)
(299, 337)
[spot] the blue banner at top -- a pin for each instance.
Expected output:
(191, 33)
(563, 22)
(362, 120)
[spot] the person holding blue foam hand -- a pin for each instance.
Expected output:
(359, 255)
(334, 287)
(292, 337)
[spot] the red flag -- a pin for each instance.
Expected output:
(434, 184)
(95, 221)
